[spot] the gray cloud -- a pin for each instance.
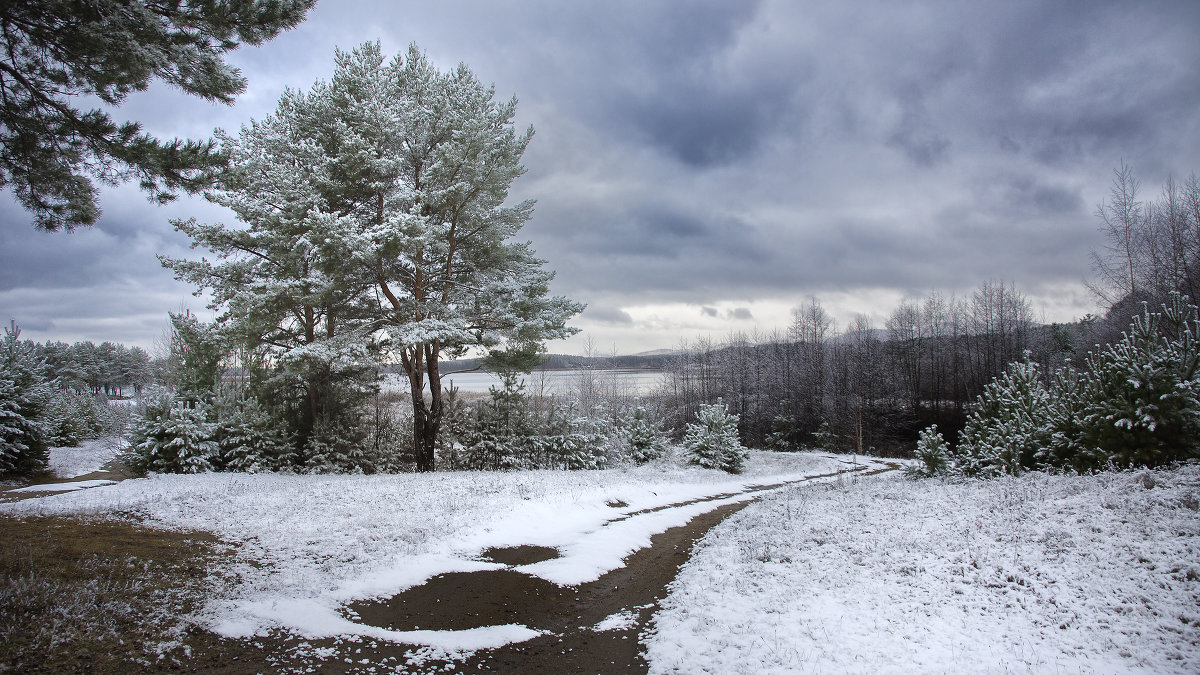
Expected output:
(608, 315)
(732, 151)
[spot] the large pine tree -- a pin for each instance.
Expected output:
(376, 212)
(54, 53)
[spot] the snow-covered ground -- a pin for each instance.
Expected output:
(1039, 574)
(321, 541)
(90, 456)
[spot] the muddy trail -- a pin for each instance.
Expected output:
(594, 627)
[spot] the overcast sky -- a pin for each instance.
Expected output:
(703, 167)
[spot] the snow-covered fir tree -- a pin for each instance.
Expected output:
(1144, 390)
(176, 436)
(712, 441)
(23, 443)
(1008, 430)
(645, 438)
(932, 454)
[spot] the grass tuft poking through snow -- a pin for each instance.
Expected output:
(1038, 573)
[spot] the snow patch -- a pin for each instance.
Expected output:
(88, 457)
(623, 620)
(65, 487)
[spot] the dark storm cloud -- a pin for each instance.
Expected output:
(720, 152)
(607, 315)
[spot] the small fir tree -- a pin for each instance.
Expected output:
(712, 441)
(250, 440)
(175, 436)
(646, 439)
(23, 444)
(1145, 390)
(1072, 395)
(336, 446)
(1008, 430)
(932, 454)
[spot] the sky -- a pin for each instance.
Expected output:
(701, 168)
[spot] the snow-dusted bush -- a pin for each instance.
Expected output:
(932, 454)
(712, 441)
(1008, 429)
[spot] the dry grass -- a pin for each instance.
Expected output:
(99, 595)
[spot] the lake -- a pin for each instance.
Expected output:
(635, 382)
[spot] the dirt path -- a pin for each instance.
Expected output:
(596, 627)
(575, 639)
(569, 615)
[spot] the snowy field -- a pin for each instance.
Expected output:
(318, 542)
(1038, 574)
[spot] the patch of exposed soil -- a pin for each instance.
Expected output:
(519, 555)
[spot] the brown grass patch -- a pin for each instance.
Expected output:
(99, 595)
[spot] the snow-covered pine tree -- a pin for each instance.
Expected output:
(23, 444)
(376, 210)
(1145, 390)
(646, 439)
(712, 441)
(175, 436)
(423, 161)
(1009, 428)
(932, 454)
(250, 440)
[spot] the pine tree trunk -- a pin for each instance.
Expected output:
(427, 417)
